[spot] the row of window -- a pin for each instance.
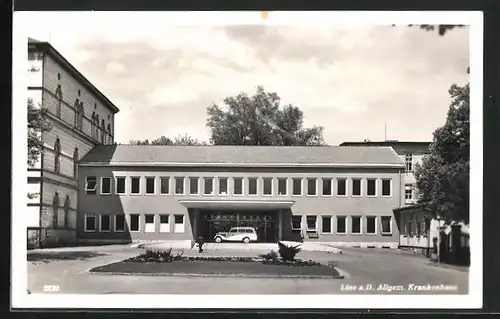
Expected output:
(239, 185)
(416, 228)
(162, 223)
(100, 133)
(103, 223)
(358, 225)
(57, 158)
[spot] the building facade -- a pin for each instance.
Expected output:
(343, 196)
(422, 233)
(411, 153)
(81, 117)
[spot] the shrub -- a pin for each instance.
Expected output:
(158, 255)
(270, 256)
(288, 253)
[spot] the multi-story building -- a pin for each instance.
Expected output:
(411, 153)
(341, 195)
(81, 117)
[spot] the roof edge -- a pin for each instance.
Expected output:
(46, 46)
(186, 164)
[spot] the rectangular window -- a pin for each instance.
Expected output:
(120, 185)
(297, 186)
(341, 187)
(356, 224)
(105, 223)
(311, 187)
(326, 224)
(222, 186)
(386, 187)
(119, 223)
(90, 223)
(105, 185)
(179, 186)
(193, 185)
(386, 225)
(268, 186)
(282, 187)
(341, 224)
(252, 186)
(136, 185)
(371, 187)
(371, 225)
(179, 224)
(408, 193)
(134, 222)
(409, 162)
(238, 186)
(150, 185)
(296, 222)
(311, 223)
(164, 223)
(91, 185)
(356, 187)
(327, 186)
(149, 223)
(164, 185)
(208, 186)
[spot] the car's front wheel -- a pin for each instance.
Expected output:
(246, 240)
(218, 239)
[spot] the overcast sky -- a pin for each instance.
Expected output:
(350, 80)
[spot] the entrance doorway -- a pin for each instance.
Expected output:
(264, 222)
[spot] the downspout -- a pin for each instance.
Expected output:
(41, 160)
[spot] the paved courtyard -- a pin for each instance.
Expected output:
(387, 269)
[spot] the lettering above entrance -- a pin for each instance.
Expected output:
(237, 204)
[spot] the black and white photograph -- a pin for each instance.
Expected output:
(247, 159)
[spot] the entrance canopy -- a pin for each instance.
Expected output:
(237, 204)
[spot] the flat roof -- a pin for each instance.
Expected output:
(401, 147)
(245, 156)
(47, 47)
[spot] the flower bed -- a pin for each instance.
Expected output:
(166, 256)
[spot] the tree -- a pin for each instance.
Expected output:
(183, 140)
(37, 124)
(441, 28)
(443, 178)
(260, 120)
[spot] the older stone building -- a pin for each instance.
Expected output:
(81, 117)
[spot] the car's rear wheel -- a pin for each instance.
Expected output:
(218, 239)
(246, 240)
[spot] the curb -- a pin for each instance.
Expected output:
(218, 275)
(342, 273)
(446, 266)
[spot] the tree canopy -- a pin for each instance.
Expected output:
(37, 123)
(441, 28)
(260, 120)
(182, 140)
(443, 178)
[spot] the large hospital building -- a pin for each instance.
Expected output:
(93, 190)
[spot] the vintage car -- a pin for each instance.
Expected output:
(244, 234)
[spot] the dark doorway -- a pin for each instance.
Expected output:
(264, 222)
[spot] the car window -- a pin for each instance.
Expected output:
(233, 230)
(249, 230)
